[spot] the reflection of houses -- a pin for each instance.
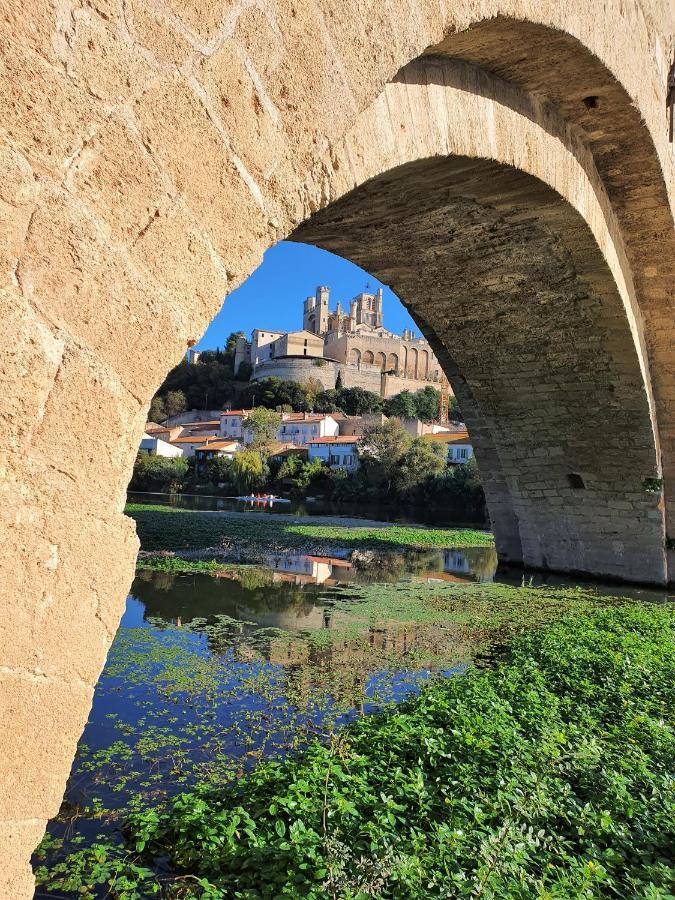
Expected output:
(475, 564)
(303, 569)
(456, 561)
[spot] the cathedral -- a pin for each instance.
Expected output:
(349, 340)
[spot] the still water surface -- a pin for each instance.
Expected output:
(307, 506)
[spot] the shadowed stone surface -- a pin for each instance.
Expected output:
(151, 152)
(508, 283)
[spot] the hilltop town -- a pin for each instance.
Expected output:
(328, 387)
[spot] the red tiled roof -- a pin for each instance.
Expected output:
(300, 417)
(190, 439)
(235, 412)
(217, 445)
(449, 437)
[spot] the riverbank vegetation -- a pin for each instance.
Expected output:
(394, 470)
(547, 775)
(173, 528)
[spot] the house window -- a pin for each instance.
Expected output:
(463, 453)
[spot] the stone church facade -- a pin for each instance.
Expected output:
(353, 343)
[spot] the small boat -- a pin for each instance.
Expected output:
(263, 498)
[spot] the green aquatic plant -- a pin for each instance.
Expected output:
(173, 528)
(549, 775)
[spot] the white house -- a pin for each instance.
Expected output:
(302, 428)
(190, 442)
(458, 443)
(155, 446)
(231, 423)
(338, 452)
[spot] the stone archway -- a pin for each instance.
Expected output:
(151, 154)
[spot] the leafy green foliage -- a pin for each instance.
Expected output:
(300, 474)
(207, 384)
(249, 471)
(547, 776)
(421, 461)
(158, 473)
(381, 449)
(263, 424)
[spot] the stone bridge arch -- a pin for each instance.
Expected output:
(150, 154)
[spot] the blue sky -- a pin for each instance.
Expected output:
(273, 295)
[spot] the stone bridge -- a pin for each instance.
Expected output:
(504, 165)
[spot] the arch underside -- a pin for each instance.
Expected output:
(507, 282)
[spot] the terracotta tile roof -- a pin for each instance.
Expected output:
(190, 439)
(338, 439)
(300, 417)
(153, 426)
(218, 445)
(275, 449)
(235, 412)
(449, 437)
(198, 425)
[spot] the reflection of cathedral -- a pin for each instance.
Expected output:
(352, 342)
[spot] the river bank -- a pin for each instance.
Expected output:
(250, 536)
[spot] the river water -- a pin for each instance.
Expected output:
(307, 506)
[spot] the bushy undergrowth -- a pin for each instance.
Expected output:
(173, 528)
(548, 776)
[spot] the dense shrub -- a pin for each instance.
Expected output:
(158, 473)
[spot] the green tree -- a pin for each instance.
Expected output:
(264, 424)
(249, 472)
(356, 401)
(380, 452)
(158, 473)
(327, 402)
(338, 381)
(175, 403)
(422, 460)
(157, 411)
(428, 404)
(403, 406)
(219, 470)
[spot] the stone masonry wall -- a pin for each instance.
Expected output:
(151, 152)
